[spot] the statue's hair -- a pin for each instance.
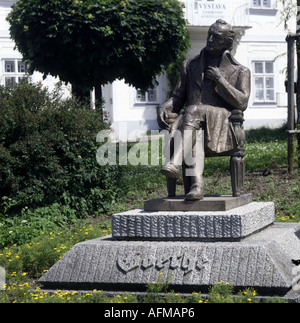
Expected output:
(230, 33)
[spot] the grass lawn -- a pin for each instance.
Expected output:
(266, 178)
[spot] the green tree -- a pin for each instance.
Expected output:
(93, 42)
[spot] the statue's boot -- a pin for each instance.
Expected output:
(170, 170)
(173, 167)
(197, 189)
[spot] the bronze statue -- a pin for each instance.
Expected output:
(214, 89)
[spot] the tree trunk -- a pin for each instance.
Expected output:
(82, 95)
(99, 100)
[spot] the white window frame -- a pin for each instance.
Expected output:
(146, 98)
(15, 74)
(265, 76)
(263, 4)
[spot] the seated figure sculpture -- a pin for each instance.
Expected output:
(214, 89)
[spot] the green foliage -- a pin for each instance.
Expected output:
(30, 224)
(288, 11)
(265, 134)
(44, 251)
(265, 148)
(221, 293)
(266, 154)
(93, 42)
(157, 287)
(48, 156)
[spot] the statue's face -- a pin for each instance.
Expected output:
(217, 40)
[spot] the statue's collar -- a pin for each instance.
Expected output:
(227, 58)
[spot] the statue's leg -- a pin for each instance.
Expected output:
(171, 186)
(194, 159)
(186, 180)
(237, 171)
(171, 178)
(172, 168)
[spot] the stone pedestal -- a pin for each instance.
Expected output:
(234, 224)
(193, 249)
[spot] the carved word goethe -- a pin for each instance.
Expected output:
(185, 262)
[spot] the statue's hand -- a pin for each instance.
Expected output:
(213, 73)
(165, 119)
(171, 117)
(161, 118)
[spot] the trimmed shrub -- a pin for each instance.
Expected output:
(48, 153)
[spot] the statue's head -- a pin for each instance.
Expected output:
(220, 37)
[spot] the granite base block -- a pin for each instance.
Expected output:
(262, 261)
(234, 224)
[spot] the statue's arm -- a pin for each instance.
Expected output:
(168, 111)
(237, 96)
(178, 98)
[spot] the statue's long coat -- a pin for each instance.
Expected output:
(214, 102)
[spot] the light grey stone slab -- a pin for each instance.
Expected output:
(209, 203)
(233, 224)
(262, 261)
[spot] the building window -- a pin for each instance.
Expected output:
(150, 96)
(264, 82)
(14, 71)
(263, 4)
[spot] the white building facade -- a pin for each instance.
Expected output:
(12, 67)
(260, 45)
